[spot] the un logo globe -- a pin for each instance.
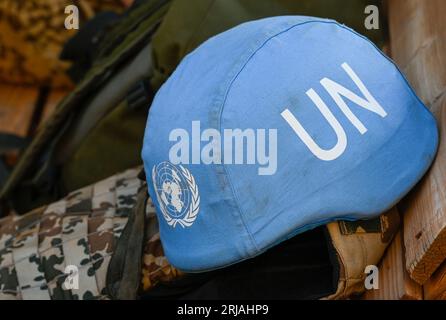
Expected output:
(177, 193)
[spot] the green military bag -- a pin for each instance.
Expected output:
(97, 129)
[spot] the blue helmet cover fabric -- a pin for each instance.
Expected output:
(346, 137)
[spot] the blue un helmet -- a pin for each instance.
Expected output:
(273, 128)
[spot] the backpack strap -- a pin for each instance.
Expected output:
(124, 271)
(9, 142)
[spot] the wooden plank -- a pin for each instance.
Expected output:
(435, 287)
(394, 281)
(425, 217)
(16, 108)
(418, 45)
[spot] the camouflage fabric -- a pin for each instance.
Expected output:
(32, 34)
(155, 266)
(81, 230)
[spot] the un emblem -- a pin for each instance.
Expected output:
(177, 193)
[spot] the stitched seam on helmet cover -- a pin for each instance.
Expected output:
(237, 201)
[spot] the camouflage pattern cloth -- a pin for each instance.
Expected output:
(32, 34)
(155, 266)
(81, 230)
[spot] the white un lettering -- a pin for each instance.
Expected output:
(336, 91)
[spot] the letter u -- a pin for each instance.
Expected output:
(323, 154)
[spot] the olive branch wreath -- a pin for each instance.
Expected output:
(194, 206)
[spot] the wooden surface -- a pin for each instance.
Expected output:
(394, 281)
(16, 108)
(435, 287)
(418, 46)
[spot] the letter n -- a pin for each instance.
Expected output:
(322, 154)
(336, 91)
